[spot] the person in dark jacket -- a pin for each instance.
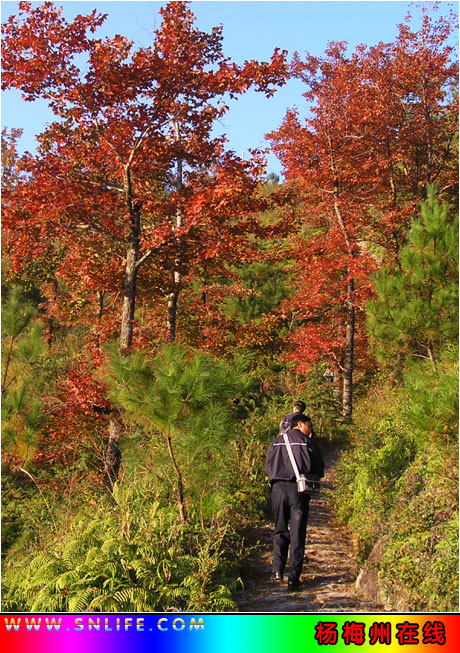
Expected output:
(290, 508)
(298, 409)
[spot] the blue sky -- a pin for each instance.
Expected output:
(252, 30)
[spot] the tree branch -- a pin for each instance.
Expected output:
(137, 145)
(151, 251)
(111, 145)
(337, 361)
(24, 471)
(144, 258)
(89, 227)
(104, 186)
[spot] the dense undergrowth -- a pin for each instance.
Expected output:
(130, 549)
(398, 486)
(93, 550)
(399, 475)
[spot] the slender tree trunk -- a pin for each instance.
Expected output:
(392, 178)
(112, 458)
(180, 485)
(129, 299)
(347, 397)
(100, 294)
(50, 334)
(349, 355)
(100, 302)
(204, 294)
(116, 428)
(51, 321)
(173, 297)
(432, 357)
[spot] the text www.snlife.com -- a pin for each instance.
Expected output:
(105, 624)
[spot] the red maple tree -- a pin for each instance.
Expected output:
(128, 186)
(381, 126)
(113, 174)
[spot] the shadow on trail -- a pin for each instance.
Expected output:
(329, 570)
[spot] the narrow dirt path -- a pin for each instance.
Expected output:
(329, 573)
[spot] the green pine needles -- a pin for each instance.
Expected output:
(167, 537)
(184, 403)
(416, 310)
(23, 352)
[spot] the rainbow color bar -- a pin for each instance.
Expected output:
(228, 633)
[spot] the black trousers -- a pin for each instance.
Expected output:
(290, 509)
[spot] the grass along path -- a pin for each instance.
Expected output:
(329, 571)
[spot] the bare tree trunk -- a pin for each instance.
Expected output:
(100, 302)
(100, 294)
(348, 366)
(129, 299)
(204, 294)
(133, 262)
(349, 355)
(51, 321)
(180, 486)
(173, 297)
(116, 428)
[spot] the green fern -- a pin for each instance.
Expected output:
(82, 600)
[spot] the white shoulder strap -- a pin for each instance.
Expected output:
(291, 456)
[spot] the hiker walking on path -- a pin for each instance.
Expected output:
(332, 568)
(298, 409)
(329, 375)
(291, 508)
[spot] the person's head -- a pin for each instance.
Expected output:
(299, 406)
(302, 423)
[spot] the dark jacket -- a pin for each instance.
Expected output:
(316, 456)
(286, 423)
(278, 465)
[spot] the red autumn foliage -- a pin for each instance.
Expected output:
(95, 210)
(381, 126)
(103, 187)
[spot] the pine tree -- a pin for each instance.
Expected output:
(416, 310)
(22, 352)
(184, 398)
